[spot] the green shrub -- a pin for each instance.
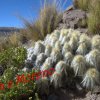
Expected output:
(13, 57)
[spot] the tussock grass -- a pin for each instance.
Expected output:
(94, 18)
(49, 16)
(83, 4)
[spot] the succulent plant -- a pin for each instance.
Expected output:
(62, 68)
(65, 39)
(49, 61)
(96, 42)
(68, 58)
(63, 33)
(56, 79)
(82, 49)
(47, 39)
(56, 33)
(85, 39)
(40, 59)
(45, 66)
(48, 50)
(66, 48)
(56, 55)
(93, 58)
(73, 43)
(91, 78)
(52, 41)
(39, 48)
(43, 86)
(30, 52)
(79, 65)
(58, 45)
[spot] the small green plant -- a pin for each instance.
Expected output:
(13, 56)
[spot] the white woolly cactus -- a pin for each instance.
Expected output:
(45, 66)
(96, 42)
(73, 43)
(85, 39)
(91, 78)
(82, 49)
(47, 39)
(93, 58)
(58, 45)
(49, 61)
(79, 65)
(64, 39)
(48, 50)
(62, 68)
(40, 59)
(66, 48)
(39, 48)
(56, 55)
(56, 79)
(57, 33)
(68, 58)
(63, 33)
(52, 41)
(43, 85)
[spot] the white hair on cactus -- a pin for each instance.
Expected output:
(43, 85)
(47, 39)
(58, 45)
(45, 66)
(82, 49)
(49, 61)
(48, 50)
(70, 31)
(52, 41)
(76, 34)
(56, 79)
(56, 55)
(30, 52)
(79, 65)
(68, 57)
(73, 43)
(57, 33)
(62, 68)
(93, 58)
(64, 32)
(66, 48)
(40, 59)
(91, 78)
(96, 42)
(85, 39)
(65, 39)
(39, 48)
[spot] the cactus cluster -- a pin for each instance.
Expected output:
(68, 50)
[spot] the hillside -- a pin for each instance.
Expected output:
(8, 30)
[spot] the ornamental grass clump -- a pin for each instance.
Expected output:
(96, 42)
(94, 16)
